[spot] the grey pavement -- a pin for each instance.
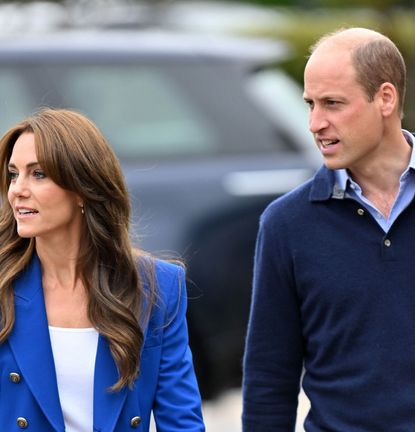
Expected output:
(224, 414)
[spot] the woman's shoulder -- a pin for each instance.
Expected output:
(168, 271)
(164, 282)
(170, 282)
(160, 270)
(166, 277)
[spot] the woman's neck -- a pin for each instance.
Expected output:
(66, 297)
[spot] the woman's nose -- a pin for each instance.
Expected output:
(19, 186)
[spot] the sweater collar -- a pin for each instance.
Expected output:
(324, 186)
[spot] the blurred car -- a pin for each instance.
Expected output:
(207, 135)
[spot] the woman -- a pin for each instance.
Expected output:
(93, 334)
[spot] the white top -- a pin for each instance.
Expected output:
(74, 352)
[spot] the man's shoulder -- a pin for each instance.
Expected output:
(298, 207)
(317, 188)
(295, 201)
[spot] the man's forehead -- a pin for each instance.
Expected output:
(329, 62)
(329, 76)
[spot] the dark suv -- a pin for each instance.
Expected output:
(207, 136)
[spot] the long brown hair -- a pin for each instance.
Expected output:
(75, 155)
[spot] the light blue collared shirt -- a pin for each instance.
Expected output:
(405, 195)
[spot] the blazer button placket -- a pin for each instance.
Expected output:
(14, 377)
(22, 423)
(135, 421)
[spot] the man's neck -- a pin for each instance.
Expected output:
(380, 180)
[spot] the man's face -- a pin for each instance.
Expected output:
(347, 128)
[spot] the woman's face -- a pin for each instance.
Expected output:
(41, 208)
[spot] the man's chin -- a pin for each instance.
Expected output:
(333, 165)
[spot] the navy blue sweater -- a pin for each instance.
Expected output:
(335, 294)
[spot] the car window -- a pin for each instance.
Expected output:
(14, 99)
(139, 109)
(281, 99)
(153, 111)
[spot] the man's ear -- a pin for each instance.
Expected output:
(388, 99)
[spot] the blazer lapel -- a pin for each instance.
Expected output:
(30, 343)
(107, 405)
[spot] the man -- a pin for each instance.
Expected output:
(334, 280)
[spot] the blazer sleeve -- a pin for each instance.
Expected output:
(177, 405)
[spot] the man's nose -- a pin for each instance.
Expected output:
(317, 120)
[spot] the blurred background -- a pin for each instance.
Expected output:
(202, 102)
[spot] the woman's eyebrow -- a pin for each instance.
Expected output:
(29, 165)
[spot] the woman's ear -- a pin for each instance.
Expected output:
(388, 98)
(80, 203)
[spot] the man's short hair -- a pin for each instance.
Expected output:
(376, 61)
(379, 61)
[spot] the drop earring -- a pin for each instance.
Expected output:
(82, 209)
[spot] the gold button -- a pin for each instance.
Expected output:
(14, 377)
(22, 423)
(135, 421)
(360, 212)
(387, 242)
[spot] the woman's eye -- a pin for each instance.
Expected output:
(39, 174)
(12, 175)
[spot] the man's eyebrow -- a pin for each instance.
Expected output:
(29, 165)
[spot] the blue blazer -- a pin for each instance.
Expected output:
(166, 385)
